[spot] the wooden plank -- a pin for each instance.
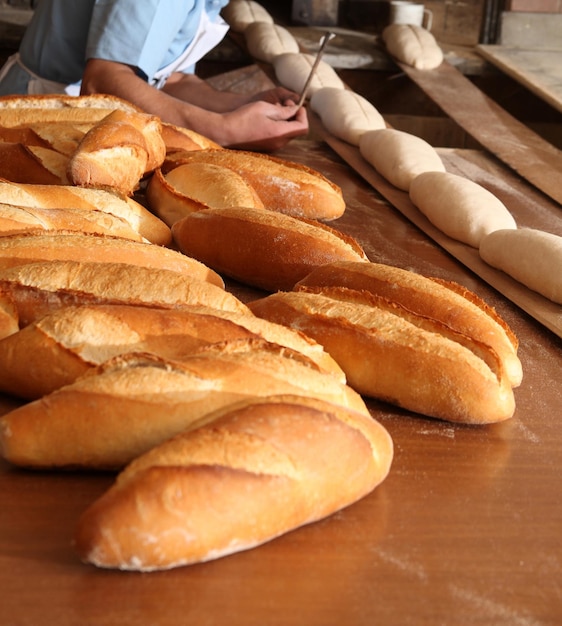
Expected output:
(528, 206)
(540, 71)
(516, 145)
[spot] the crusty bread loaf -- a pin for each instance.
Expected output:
(33, 247)
(179, 138)
(22, 110)
(446, 302)
(259, 469)
(262, 248)
(17, 219)
(60, 347)
(62, 137)
(282, 185)
(40, 288)
(32, 164)
(135, 401)
(9, 320)
(117, 152)
(66, 196)
(195, 186)
(389, 353)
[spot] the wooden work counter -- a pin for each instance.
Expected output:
(465, 530)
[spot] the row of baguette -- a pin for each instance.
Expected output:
(457, 206)
(131, 355)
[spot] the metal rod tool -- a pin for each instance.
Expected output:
(325, 39)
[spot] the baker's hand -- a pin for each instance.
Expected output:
(262, 126)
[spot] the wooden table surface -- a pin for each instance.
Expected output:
(465, 530)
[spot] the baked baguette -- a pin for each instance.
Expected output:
(17, 219)
(32, 164)
(391, 354)
(257, 470)
(283, 186)
(135, 401)
(177, 138)
(66, 196)
(262, 248)
(195, 186)
(62, 346)
(40, 288)
(59, 136)
(34, 247)
(434, 298)
(117, 152)
(9, 320)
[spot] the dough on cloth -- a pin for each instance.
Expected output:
(412, 45)
(399, 156)
(459, 207)
(345, 114)
(531, 256)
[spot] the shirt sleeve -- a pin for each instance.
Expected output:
(147, 35)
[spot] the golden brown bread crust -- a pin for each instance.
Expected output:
(17, 219)
(39, 288)
(36, 247)
(262, 248)
(256, 471)
(178, 138)
(64, 345)
(135, 401)
(445, 301)
(67, 196)
(32, 164)
(284, 186)
(391, 354)
(195, 186)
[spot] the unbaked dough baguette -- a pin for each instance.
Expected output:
(17, 219)
(284, 186)
(262, 248)
(40, 288)
(459, 207)
(394, 355)
(66, 196)
(345, 114)
(34, 247)
(117, 152)
(32, 164)
(444, 301)
(135, 401)
(239, 14)
(59, 348)
(195, 186)
(293, 68)
(261, 468)
(529, 255)
(266, 40)
(413, 45)
(399, 156)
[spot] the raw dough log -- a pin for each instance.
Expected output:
(345, 114)
(239, 14)
(292, 70)
(533, 257)
(265, 41)
(413, 45)
(399, 156)
(459, 207)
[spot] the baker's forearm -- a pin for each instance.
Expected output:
(192, 89)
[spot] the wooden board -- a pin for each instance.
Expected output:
(529, 208)
(516, 145)
(540, 71)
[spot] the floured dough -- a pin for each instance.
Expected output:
(459, 207)
(292, 70)
(532, 257)
(399, 156)
(265, 41)
(238, 14)
(345, 114)
(412, 45)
